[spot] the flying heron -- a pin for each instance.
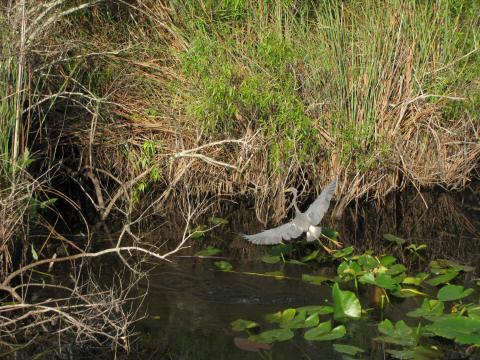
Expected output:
(302, 222)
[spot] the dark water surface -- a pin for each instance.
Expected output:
(191, 304)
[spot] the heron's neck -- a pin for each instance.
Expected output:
(297, 210)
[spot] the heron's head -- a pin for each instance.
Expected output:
(292, 190)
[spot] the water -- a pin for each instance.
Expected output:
(191, 304)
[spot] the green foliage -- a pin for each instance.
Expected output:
(392, 278)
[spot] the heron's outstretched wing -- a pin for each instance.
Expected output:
(276, 235)
(319, 207)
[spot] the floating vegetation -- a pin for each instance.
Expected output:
(446, 314)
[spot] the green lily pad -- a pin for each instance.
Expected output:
(394, 239)
(210, 251)
(415, 280)
(443, 278)
(396, 269)
(315, 279)
(347, 349)
(431, 309)
(281, 316)
(312, 256)
(346, 304)
(280, 249)
(215, 220)
(223, 265)
(344, 252)
(242, 325)
(324, 332)
(271, 336)
(453, 292)
(385, 281)
(302, 320)
(399, 334)
(440, 266)
(319, 309)
(330, 233)
(462, 329)
(388, 260)
(271, 259)
(408, 292)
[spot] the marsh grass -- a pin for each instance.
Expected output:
(382, 93)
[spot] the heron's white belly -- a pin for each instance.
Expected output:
(313, 232)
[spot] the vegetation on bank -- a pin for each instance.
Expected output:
(382, 93)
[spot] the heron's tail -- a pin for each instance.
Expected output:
(313, 233)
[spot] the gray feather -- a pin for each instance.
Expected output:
(300, 224)
(317, 210)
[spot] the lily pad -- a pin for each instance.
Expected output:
(324, 332)
(271, 259)
(399, 334)
(453, 292)
(319, 309)
(215, 220)
(223, 265)
(347, 349)
(394, 239)
(302, 320)
(312, 256)
(462, 329)
(271, 336)
(346, 304)
(315, 279)
(281, 249)
(210, 251)
(281, 316)
(443, 278)
(431, 309)
(344, 252)
(242, 325)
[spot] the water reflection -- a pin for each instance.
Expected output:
(195, 303)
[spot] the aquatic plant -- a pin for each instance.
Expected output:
(447, 314)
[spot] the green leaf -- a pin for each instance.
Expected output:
(330, 233)
(223, 265)
(347, 349)
(281, 316)
(388, 260)
(344, 252)
(440, 266)
(417, 280)
(242, 325)
(269, 259)
(315, 279)
(396, 269)
(324, 332)
(408, 292)
(302, 320)
(385, 281)
(210, 251)
(367, 278)
(346, 304)
(453, 292)
(280, 249)
(399, 334)
(318, 309)
(214, 220)
(430, 310)
(394, 239)
(198, 232)
(34, 253)
(271, 336)
(443, 278)
(312, 256)
(368, 262)
(463, 330)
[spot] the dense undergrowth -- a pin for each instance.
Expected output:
(382, 93)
